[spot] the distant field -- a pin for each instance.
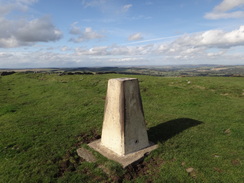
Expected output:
(198, 123)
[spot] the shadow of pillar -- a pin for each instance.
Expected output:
(169, 129)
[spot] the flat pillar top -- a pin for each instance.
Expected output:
(124, 79)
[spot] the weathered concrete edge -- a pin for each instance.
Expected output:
(123, 160)
(86, 155)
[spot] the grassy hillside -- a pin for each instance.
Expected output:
(198, 123)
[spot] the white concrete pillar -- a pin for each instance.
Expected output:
(124, 129)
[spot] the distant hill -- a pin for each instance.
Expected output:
(169, 70)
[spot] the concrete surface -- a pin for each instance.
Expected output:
(86, 155)
(124, 128)
(125, 160)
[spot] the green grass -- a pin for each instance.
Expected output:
(198, 122)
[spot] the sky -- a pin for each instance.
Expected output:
(95, 33)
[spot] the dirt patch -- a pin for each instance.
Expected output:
(218, 170)
(236, 162)
(70, 161)
(142, 169)
(86, 138)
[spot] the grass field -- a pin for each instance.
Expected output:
(198, 123)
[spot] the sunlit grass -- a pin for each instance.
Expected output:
(197, 122)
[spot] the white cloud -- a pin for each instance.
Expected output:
(6, 6)
(214, 38)
(5, 55)
(95, 51)
(135, 37)
(38, 30)
(227, 9)
(65, 48)
(27, 1)
(227, 5)
(108, 7)
(215, 54)
(126, 7)
(15, 33)
(22, 32)
(84, 35)
(94, 3)
(220, 15)
(128, 61)
(115, 50)
(203, 47)
(41, 59)
(74, 29)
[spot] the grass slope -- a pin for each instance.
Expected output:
(197, 122)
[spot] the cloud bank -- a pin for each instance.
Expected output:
(213, 47)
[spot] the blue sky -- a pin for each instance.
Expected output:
(80, 33)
